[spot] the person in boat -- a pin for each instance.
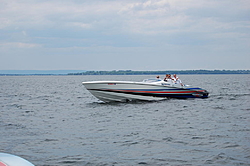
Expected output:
(177, 80)
(168, 78)
(174, 78)
(158, 77)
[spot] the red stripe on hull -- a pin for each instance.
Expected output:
(2, 164)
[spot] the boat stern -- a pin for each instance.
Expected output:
(200, 94)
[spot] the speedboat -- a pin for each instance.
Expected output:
(147, 90)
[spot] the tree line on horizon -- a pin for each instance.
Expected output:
(131, 72)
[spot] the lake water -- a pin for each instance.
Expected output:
(55, 121)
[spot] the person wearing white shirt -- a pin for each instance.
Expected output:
(177, 80)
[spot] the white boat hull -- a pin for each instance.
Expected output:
(12, 160)
(121, 97)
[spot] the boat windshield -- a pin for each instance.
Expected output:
(151, 80)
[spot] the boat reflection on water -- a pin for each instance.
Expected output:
(147, 90)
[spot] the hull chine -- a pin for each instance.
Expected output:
(110, 96)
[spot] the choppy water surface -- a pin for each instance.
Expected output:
(54, 120)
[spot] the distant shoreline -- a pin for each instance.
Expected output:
(33, 74)
(125, 72)
(37, 72)
(130, 72)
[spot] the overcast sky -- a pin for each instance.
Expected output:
(124, 34)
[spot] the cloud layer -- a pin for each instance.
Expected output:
(116, 34)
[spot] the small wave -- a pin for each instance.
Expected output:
(221, 158)
(129, 143)
(231, 95)
(14, 126)
(232, 146)
(218, 108)
(131, 134)
(69, 160)
(218, 136)
(144, 163)
(181, 142)
(49, 140)
(17, 106)
(168, 139)
(198, 137)
(173, 160)
(228, 96)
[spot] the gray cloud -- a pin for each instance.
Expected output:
(132, 33)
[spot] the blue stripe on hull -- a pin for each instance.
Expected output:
(180, 94)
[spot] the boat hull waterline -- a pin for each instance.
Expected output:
(123, 91)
